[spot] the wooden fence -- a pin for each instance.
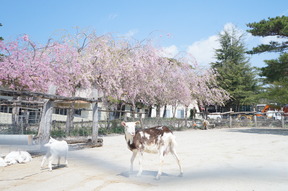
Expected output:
(41, 106)
(248, 119)
(47, 109)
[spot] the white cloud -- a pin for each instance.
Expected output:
(266, 40)
(204, 50)
(130, 33)
(112, 16)
(228, 27)
(170, 51)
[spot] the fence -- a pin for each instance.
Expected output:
(22, 116)
(249, 119)
(222, 120)
(83, 127)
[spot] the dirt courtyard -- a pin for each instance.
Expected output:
(242, 159)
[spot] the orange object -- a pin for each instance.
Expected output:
(285, 110)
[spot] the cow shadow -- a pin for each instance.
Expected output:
(145, 173)
(55, 167)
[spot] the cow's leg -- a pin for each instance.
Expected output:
(140, 164)
(134, 154)
(174, 153)
(161, 157)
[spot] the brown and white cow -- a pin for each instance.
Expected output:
(152, 140)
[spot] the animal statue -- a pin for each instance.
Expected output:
(55, 150)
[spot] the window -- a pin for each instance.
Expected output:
(5, 109)
(77, 112)
(60, 111)
(63, 111)
(180, 113)
(34, 116)
(168, 113)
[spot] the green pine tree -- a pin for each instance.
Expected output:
(277, 26)
(275, 72)
(235, 73)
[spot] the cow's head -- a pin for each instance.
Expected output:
(129, 129)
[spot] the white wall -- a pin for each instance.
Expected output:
(179, 110)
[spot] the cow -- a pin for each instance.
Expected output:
(158, 139)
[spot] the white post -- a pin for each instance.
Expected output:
(95, 117)
(46, 117)
(230, 118)
(46, 121)
(255, 118)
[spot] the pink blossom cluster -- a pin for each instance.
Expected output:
(122, 70)
(27, 66)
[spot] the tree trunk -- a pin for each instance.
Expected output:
(122, 108)
(158, 111)
(70, 118)
(95, 123)
(119, 108)
(45, 122)
(133, 111)
(174, 109)
(95, 110)
(186, 116)
(15, 116)
(150, 111)
(165, 111)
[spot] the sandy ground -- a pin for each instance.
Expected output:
(213, 160)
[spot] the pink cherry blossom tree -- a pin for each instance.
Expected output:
(121, 70)
(137, 73)
(26, 65)
(23, 67)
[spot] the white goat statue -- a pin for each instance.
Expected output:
(152, 140)
(17, 157)
(56, 149)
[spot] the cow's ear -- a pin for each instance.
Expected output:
(123, 123)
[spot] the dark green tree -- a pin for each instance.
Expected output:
(276, 69)
(277, 26)
(276, 75)
(235, 73)
(275, 72)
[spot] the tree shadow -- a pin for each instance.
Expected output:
(270, 131)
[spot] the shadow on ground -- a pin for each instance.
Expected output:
(128, 174)
(270, 131)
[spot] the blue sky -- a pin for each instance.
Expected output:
(176, 25)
